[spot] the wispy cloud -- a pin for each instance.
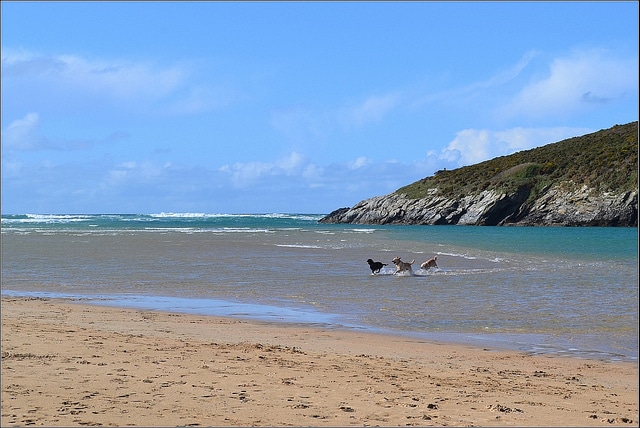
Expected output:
(304, 123)
(575, 82)
(301, 124)
(131, 85)
(372, 109)
(471, 146)
(282, 185)
(246, 174)
(116, 78)
(475, 90)
(579, 80)
(201, 98)
(359, 162)
(537, 87)
(354, 178)
(509, 74)
(516, 91)
(132, 172)
(24, 135)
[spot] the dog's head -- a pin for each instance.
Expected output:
(396, 260)
(370, 261)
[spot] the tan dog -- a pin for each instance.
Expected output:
(402, 266)
(431, 263)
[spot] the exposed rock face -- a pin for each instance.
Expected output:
(555, 206)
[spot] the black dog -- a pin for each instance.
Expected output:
(375, 266)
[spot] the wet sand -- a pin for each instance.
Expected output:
(71, 364)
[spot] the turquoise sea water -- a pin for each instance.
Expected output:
(565, 291)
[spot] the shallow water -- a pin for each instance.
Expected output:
(567, 291)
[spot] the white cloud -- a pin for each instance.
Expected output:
(511, 73)
(135, 85)
(243, 174)
(22, 134)
(372, 109)
(115, 78)
(135, 173)
(293, 183)
(477, 91)
(471, 146)
(123, 79)
(300, 124)
(313, 173)
(303, 124)
(359, 162)
(203, 98)
(291, 163)
(296, 171)
(574, 82)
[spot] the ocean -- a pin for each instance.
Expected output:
(541, 290)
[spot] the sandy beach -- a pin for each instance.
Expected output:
(70, 364)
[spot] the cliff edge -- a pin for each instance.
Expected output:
(590, 180)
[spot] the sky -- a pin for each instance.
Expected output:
(292, 107)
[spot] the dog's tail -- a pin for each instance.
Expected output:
(412, 261)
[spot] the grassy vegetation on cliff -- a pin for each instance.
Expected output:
(606, 160)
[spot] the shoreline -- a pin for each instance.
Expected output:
(528, 343)
(74, 363)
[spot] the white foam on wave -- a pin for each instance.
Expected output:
(58, 216)
(48, 218)
(405, 273)
(297, 246)
(310, 217)
(324, 232)
(438, 271)
(181, 215)
(218, 230)
(172, 229)
(239, 230)
(464, 256)
(428, 272)
(359, 230)
(460, 272)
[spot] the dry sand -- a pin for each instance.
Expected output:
(75, 364)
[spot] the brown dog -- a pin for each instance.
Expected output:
(402, 266)
(431, 263)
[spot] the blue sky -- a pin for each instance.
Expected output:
(261, 107)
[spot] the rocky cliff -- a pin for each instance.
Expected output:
(557, 207)
(537, 192)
